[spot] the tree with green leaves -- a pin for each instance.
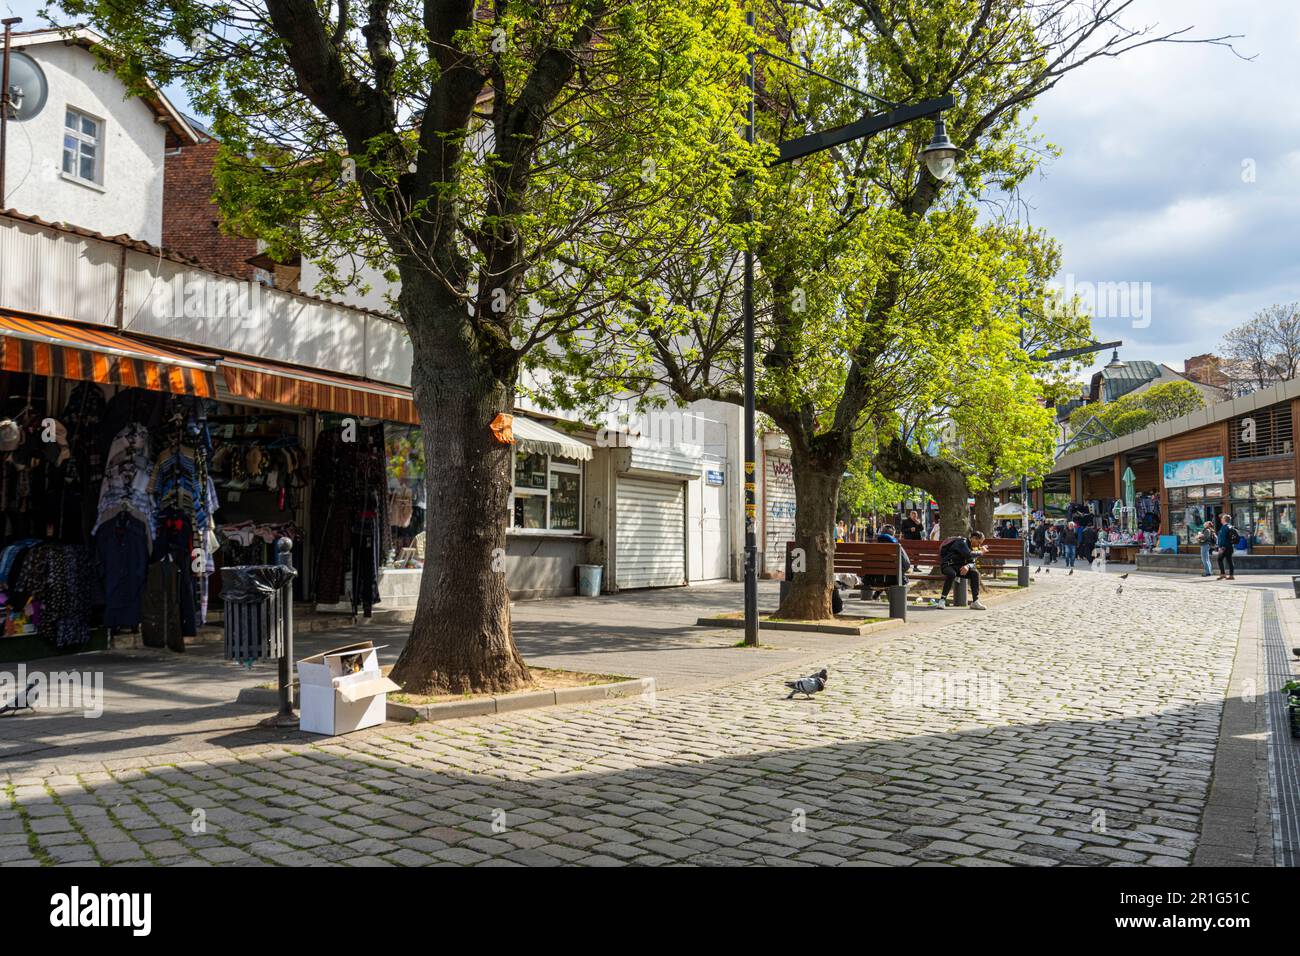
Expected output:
(988, 421)
(501, 161)
(870, 267)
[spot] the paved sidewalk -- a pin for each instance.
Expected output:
(1008, 737)
(155, 700)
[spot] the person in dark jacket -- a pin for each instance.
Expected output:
(912, 527)
(1039, 538)
(957, 560)
(1052, 544)
(1087, 543)
(1227, 543)
(878, 582)
(1070, 543)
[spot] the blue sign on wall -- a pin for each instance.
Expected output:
(713, 477)
(1195, 471)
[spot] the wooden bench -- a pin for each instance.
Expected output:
(878, 559)
(998, 553)
(924, 553)
(1002, 553)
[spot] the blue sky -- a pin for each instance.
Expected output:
(1152, 185)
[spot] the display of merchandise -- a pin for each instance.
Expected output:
(350, 520)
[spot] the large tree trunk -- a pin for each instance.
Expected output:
(460, 640)
(984, 512)
(816, 493)
(945, 482)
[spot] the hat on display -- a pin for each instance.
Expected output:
(11, 435)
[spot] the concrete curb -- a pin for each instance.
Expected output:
(850, 629)
(1236, 825)
(528, 700)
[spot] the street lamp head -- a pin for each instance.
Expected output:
(1114, 362)
(941, 155)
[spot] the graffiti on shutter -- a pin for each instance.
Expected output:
(778, 519)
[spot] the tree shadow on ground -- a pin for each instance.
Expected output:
(722, 783)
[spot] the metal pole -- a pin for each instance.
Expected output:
(751, 540)
(1024, 506)
(284, 558)
(4, 105)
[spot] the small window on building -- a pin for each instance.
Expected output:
(1261, 434)
(83, 147)
(547, 494)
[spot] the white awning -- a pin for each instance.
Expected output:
(531, 436)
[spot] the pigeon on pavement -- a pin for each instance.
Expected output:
(812, 684)
(1120, 589)
(1071, 572)
(1124, 576)
(21, 701)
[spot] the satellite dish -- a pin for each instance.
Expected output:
(27, 87)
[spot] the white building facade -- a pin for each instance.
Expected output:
(91, 157)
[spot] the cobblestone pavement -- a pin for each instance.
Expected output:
(1077, 726)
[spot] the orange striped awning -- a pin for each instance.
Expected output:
(86, 353)
(302, 388)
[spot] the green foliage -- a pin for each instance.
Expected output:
(875, 282)
(1136, 410)
(864, 489)
(515, 167)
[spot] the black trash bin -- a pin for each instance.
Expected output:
(255, 600)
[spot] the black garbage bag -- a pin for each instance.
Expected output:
(254, 583)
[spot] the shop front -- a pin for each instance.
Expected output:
(107, 502)
(1235, 458)
(547, 539)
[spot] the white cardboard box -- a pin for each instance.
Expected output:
(342, 690)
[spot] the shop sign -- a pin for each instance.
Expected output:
(1195, 471)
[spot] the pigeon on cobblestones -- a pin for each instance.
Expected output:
(1071, 572)
(812, 684)
(1120, 589)
(1124, 576)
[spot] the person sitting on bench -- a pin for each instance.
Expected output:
(957, 560)
(878, 582)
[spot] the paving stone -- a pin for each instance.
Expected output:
(1126, 724)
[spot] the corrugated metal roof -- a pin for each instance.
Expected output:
(1117, 382)
(139, 245)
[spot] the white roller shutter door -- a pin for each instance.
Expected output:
(778, 522)
(651, 533)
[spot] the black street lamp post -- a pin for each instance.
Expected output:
(940, 158)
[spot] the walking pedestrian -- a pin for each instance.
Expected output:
(1207, 539)
(1087, 542)
(1227, 542)
(1070, 543)
(1040, 538)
